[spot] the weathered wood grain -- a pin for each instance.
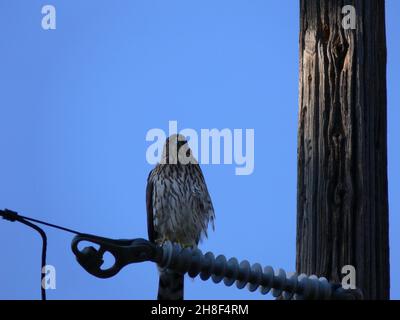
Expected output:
(342, 210)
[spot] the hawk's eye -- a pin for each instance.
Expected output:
(181, 143)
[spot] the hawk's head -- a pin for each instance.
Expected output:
(176, 150)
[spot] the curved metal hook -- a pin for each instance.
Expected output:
(123, 251)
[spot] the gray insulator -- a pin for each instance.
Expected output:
(267, 279)
(196, 260)
(303, 287)
(233, 270)
(255, 277)
(291, 286)
(219, 269)
(287, 286)
(244, 274)
(208, 266)
(279, 283)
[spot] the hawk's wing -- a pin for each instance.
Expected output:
(203, 200)
(149, 208)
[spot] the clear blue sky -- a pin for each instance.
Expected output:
(76, 104)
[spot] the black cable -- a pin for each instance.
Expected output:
(44, 250)
(14, 216)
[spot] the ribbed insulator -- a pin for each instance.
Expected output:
(289, 286)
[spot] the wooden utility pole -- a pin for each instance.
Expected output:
(342, 198)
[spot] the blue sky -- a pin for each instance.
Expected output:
(76, 104)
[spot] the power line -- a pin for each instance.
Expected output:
(13, 216)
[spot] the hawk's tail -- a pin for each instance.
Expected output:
(170, 286)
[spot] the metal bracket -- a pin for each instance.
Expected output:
(124, 252)
(194, 262)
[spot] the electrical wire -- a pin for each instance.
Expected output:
(44, 251)
(14, 216)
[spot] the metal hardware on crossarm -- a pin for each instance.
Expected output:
(195, 263)
(191, 261)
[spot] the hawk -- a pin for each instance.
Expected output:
(179, 207)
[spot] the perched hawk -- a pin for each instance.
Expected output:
(179, 207)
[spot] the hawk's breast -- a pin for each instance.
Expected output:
(181, 204)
